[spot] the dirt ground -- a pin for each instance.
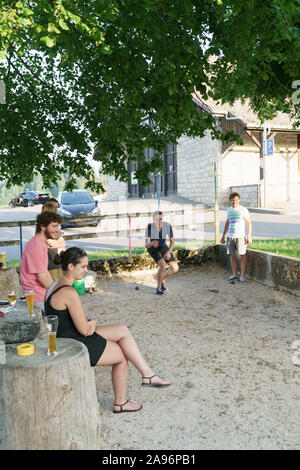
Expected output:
(228, 354)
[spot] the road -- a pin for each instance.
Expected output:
(265, 225)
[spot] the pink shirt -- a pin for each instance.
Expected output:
(34, 261)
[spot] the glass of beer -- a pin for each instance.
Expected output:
(51, 324)
(12, 298)
(29, 294)
(3, 260)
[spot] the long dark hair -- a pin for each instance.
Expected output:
(71, 255)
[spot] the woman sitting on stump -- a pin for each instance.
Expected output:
(107, 345)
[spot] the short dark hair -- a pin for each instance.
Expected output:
(156, 213)
(71, 255)
(46, 218)
(52, 199)
(232, 195)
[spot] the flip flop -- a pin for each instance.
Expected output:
(150, 384)
(126, 411)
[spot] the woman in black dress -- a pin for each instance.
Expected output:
(107, 345)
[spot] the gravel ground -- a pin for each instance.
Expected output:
(228, 354)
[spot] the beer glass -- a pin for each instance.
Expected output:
(12, 298)
(29, 294)
(3, 260)
(51, 324)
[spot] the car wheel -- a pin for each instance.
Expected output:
(29, 204)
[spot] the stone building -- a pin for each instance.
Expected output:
(193, 166)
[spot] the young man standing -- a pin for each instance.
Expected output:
(237, 216)
(34, 264)
(156, 234)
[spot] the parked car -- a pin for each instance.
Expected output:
(77, 203)
(29, 199)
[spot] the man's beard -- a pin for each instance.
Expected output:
(49, 235)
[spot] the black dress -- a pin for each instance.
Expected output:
(66, 329)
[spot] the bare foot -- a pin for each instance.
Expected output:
(128, 406)
(155, 381)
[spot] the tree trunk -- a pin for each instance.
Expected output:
(9, 280)
(49, 403)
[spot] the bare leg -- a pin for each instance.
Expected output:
(114, 356)
(233, 265)
(243, 265)
(171, 271)
(123, 337)
(161, 271)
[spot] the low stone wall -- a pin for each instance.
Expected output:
(276, 271)
(280, 272)
(114, 266)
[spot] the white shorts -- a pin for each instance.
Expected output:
(236, 246)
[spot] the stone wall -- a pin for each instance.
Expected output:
(276, 271)
(280, 272)
(115, 266)
(250, 194)
(195, 168)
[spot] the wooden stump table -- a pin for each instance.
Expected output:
(49, 403)
(9, 280)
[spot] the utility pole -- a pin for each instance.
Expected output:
(265, 163)
(216, 208)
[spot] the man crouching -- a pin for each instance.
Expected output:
(156, 235)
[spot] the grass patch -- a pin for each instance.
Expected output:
(13, 262)
(280, 246)
(134, 251)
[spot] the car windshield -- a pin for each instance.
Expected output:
(76, 198)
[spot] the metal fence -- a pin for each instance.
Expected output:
(126, 228)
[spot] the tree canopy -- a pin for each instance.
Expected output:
(82, 78)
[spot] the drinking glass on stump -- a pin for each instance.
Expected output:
(12, 298)
(29, 294)
(52, 324)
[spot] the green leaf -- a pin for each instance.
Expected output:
(76, 19)
(27, 12)
(53, 29)
(48, 41)
(63, 25)
(105, 49)
(38, 28)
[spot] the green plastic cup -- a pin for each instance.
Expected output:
(79, 286)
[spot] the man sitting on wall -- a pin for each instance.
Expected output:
(34, 264)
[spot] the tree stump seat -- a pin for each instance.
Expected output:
(49, 403)
(9, 280)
